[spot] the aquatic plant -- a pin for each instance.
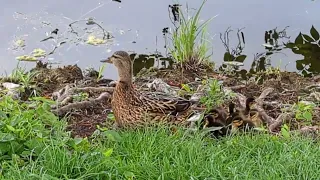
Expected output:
(190, 41)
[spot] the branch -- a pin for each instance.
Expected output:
(82, 105)
(63, 95)
(284, 117)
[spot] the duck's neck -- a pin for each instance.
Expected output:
(124, 85)
(247, 107)
(125, 75)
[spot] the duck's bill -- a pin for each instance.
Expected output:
(108, 60)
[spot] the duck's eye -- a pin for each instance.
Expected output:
(237, 122)
(116, 56)
(215, 115)
(254, 115)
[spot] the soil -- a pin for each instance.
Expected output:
(288, 86)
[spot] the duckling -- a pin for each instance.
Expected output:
(253, 113)
(232, 113)
(132, 108)
(242, 124)
(238, 120)
(215, 118)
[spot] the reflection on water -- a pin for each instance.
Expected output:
(151, 60)
(137, 25)
(309, 47)
(275, 42)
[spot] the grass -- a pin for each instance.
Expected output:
(34, 144)
(158, 154)
(190, 41)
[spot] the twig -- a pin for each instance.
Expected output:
(284, 117)
(263, 95)
(310, 130)
(67, 91)
(82, 105)
(236, 87)
(258, 106)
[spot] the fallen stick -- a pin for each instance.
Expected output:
(284, 117)
(259, 106)
(64, 95)
(233, 88)
(310, 130)
(104, 97)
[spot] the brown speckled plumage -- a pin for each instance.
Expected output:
(242, 118)
(133, 108)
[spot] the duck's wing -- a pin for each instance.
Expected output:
(158, 102)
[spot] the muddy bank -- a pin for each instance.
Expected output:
(84, 97)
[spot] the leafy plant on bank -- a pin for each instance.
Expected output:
(216, 95)
(26, 81)
(26, 126)
(190, 41)
(304, 111)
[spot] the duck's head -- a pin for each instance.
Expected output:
(213, 118)
(231, 108)
(214, 113)
(239, 123)
(249, 102)
(123, 63)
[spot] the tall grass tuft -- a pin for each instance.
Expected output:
(190, 41)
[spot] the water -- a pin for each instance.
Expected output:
(142, 21)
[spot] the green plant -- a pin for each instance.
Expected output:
(189, 52)
(57, 161)
(25, 127)
(215, 94)
(185, 90)
(285, 131)
(25, 79)
(111, 116)
(101, 69)
(304, 111)
(149, 152)
(81, 96)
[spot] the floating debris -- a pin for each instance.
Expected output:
(268, 45)
(55, 31)
(26, 58)
(39, 53)
(20, 43)
(95, 41)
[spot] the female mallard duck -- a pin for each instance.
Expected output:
(132, 108)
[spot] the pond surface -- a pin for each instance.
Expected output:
(137, 26)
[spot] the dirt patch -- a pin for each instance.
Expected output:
(286, 90)
(49, 80)
(175, 77)
(70, 81)
(81, 123)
